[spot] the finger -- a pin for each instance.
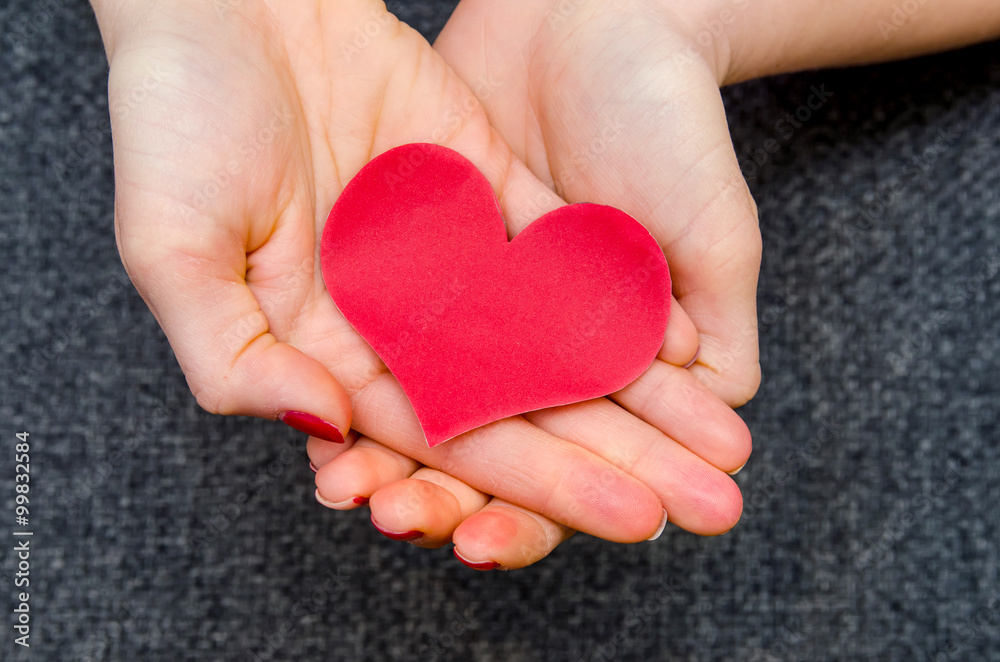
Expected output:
(707, 225)
(349, 480)
(520, 463)
(525, 198)
(504, 536)
(510, 458)
(322, 452)
(680, 347)
(425, 508)
(719, 291)
(192, 264)
(194, 283)
(697, 496)
(702, 215)
(646, 135)
(684, 409)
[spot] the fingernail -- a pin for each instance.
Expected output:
(341, 505)
(694, 360)
(312, 425)
(405, 537)
(736, 471)
(486, 565)
(659, 531)
(313, 467)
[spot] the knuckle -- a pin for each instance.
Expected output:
(207, 394)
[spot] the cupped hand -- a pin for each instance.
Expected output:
(618, 103)
(236, 125)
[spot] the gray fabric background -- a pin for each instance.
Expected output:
(871, 525)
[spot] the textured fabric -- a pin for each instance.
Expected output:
(870, 531)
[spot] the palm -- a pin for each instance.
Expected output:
(621, 110)
(226, 171)
(258, 147)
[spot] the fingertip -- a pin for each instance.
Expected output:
(694, 359)
(410, 506)
(681, 344)
(488, 541)
(504, 536)
(322, 452)
(610, 504)
(307, 397)
(312, 425)
(349, 503)
(483, 566)
(359, 472)
(271, 379)
(741, 444)
(482, 535)
(711, 505)
(732, 380)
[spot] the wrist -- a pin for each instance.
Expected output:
(766, 37)
(115, 17)
(708, 28)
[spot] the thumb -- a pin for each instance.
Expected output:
(195, 286)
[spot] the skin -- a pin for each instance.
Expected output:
(626, 82)
(550, 90)
(236, 125)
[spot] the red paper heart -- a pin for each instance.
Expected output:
(476, 328)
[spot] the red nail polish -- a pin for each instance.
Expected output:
(361, 500)
(405, 537)
(486, 565)
(313, 467)
(312, 425)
